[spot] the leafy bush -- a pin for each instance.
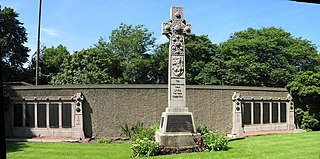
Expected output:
(202, 129)
(215, 142)
(144, 148)
(104, 140)
(138, 131)
(145, 132)
(305, 120)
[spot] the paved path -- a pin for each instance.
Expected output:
(43, 139)
(259, 133)
(231, 136)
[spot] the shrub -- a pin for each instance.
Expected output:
(138, 131)
(104, 140)
(144, 148)
(202, 129)
(145, 132)
(215, 142)
(305, 120)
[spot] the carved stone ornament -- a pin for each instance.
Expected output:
(176, 24)
(177, 46)
(177, 66)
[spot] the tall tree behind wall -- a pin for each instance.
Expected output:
(13, 53)
(260, 57)
(132, 45)
(125, 58)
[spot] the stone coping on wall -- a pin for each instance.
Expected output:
(145, 86)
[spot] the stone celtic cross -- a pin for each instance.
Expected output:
(175, 29)
(177, 127)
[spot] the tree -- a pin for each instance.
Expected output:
(51, 60)
(305, 86)
(88, 66)
(12, 37)
(124, 59)
(199, 50)
(159, 64)
(260, 57)
(131, 46)
(305, 89)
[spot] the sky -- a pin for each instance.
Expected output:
(78, 24)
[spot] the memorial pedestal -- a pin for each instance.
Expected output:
(181, 140)
(177, 130)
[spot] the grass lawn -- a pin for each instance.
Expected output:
(300, 145)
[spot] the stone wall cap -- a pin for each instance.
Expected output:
(144, 86)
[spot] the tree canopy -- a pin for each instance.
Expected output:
(12, 37)
(88, 66)
(253, 57)
(260, 57)
(124, 59)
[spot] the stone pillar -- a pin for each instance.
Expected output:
(78, 117)
(237, 114)
(177, 127)
(290, 105)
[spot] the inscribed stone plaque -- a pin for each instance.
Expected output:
(17, 109)
(180, 123)
(66, 115)
(266, 113)
(54, 116)
(283, 112)
(256, 110)
(30, 115)
(42, 115)
(274, 112)
(247, 114)
(177, 88)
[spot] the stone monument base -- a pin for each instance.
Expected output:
(177, 130)
(180, 140)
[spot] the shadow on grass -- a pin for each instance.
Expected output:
(15, 146)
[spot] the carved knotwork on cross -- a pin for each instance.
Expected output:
(176, 25)
(176, 28)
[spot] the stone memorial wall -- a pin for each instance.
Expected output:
(106, 107)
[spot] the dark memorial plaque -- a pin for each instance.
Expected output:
(17, 120)
(274, 112)
(30, 115)
(256, 110)
(42, 115)
(54, 116)
(247, 114)
(66, 115)
(180, 123)
(266, 113)
(283, 112)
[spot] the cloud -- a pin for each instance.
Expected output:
(50, 31)
(161, 40)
